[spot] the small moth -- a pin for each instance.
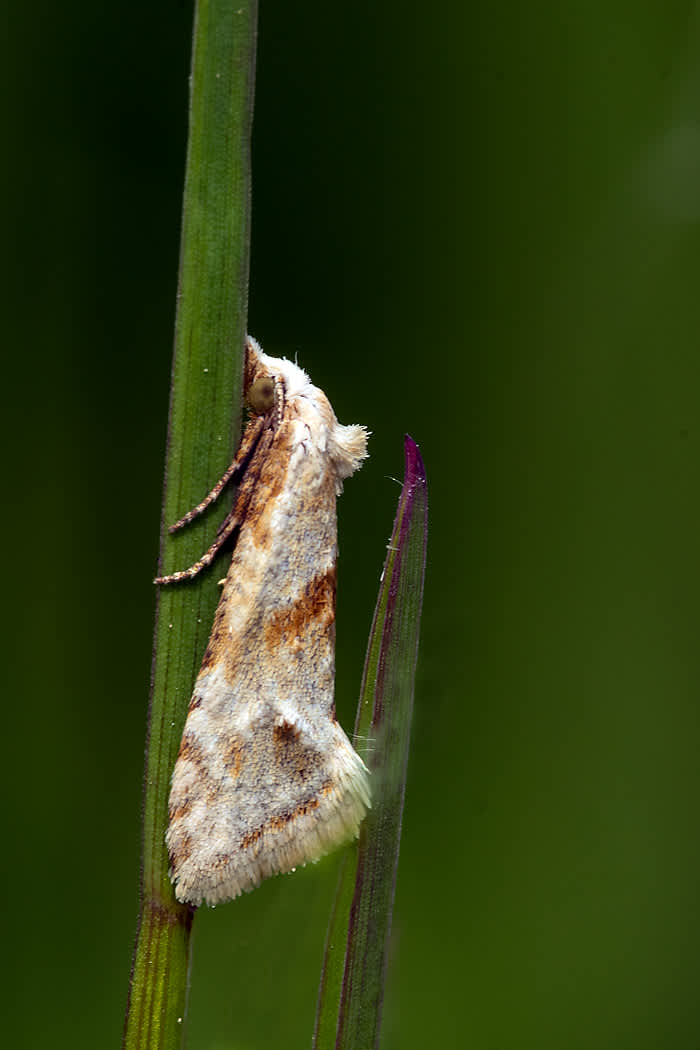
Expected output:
(265, 778)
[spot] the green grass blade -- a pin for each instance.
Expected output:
(352, 980)
(203, 431)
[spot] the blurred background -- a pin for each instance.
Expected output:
(476, 223)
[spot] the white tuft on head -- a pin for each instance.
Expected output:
(347, 445)
(295, 379)
(348, 448)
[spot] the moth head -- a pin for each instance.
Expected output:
(264, 387)
(265, 395)
(262, 395)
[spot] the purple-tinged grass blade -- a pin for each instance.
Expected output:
(352, 981)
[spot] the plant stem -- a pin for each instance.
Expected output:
(204, 428)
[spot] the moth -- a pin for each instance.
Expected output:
(266, 779)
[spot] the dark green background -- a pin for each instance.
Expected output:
(476, 223)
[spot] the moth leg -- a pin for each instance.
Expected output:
(236, 516)
(227, 527)
(250, 439)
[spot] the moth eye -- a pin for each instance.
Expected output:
(261, 395)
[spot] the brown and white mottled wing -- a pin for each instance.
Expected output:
(266, 779)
